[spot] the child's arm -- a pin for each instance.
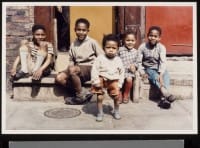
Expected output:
(95, 73)
(121, 73)
(98, 50)
(139, 58)
(38, 73)
(14, 67)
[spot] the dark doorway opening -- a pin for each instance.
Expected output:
(63, 28)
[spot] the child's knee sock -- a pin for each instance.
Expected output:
(116, 104)
(40, 58)
(127, 88)
(99, 104)
(23, 56)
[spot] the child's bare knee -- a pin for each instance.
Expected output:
(100, 98)
(23, 45)
(60, 78)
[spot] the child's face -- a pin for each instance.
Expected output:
(111, 48)
(81, 31)
(130, 41)
(154, 37)
(39, 35)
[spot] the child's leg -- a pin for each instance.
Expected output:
(153, 78)
(113, 91)
(165, 88)
(127, 87)
(23, 50)
(116, 107)
(99, 108)
(41, 55)
(136, 87)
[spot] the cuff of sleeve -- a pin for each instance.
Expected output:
(96, 82)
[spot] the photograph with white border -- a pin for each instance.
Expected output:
(30, 106)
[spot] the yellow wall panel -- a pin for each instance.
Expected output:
(101, 20)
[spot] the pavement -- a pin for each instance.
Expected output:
(145, 117)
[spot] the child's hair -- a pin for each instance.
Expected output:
(155, 28)
(82, 20)
(38, 26)
(110, 37)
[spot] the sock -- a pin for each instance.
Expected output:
(127, 87)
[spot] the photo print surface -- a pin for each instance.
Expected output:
(51, 86)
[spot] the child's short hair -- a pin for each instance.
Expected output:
(110, 37)
(82, 20)
(38, 26)
(155, 28)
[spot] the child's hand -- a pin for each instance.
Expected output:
(144, 76)
(13, 71)
(43, 45)
(132, 68)
(97, 85)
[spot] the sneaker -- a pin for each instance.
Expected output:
(70, 100)
(171, 98)
(116, 116)
(20, 74)
(83, 97)
(99, 117)
(78, 100)
(165, 104)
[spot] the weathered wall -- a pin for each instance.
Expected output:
(19, 20)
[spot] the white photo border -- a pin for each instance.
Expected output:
(85, 132)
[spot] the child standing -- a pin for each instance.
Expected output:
(35, 57)
(128, 54)
(82, 54)
(152, 64)
(108, 72)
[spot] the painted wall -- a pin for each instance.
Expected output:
(101, 20)
(176, 24)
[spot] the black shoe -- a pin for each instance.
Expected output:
(70, 100)
(63, 49)
(20, 74)
(78, 100)
(165, 104)
(171, 98)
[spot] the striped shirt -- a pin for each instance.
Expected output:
(34, 51)
(128, 57)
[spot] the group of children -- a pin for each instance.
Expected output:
(113, 69)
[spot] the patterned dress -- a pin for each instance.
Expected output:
(128, 57)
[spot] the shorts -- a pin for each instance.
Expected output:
(111, 86)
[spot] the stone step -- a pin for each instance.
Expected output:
(46, 89)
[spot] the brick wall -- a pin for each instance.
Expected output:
(19, 20)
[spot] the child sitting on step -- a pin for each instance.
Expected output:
(35, 56)
(152, 65)
(128, 54)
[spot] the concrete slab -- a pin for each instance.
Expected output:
(145, 115)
